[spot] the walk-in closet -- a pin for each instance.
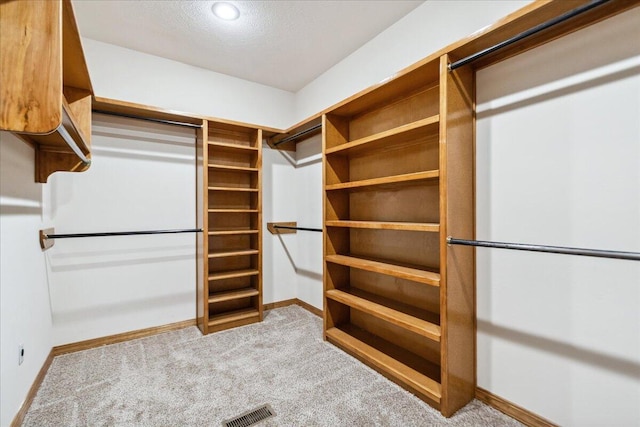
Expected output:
(295, 213)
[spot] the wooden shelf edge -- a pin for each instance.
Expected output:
(233, 211)
(231, 295)
(398, 318)
(231, 168)
(232, 274)
(385, 363)
(238, 189)
(225, 145)
(407, 178)
(413, 274)
(231, 232)
(386, 225)
(233, 316)
(233, 253)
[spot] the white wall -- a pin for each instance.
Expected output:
(142, 177)
(24, 292)
(278, 205)
(132, 76)
(309, 201)
(558, 163)
(427, 29)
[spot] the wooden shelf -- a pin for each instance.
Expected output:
(390, 181)
(382, 225)
(227, 168)
(230, 253)
(232, 210)
(398, 135)
(231, 232)
(238, 189)
(231, 295)
(233, 316)
(368, 348)
(45, 87)
(233, 274)
(407, 317)
(409, 273)
(223, 146)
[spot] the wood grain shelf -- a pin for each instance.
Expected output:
(231, 295)
(409, 273)
(414, 178)
(375, 352)
(231, 232)
(227, 168)
(233, 316)
(232, 210)
(231, 274)
(382, 225)
(405, 316)
(45, 87)
(409, 132)
(231, 253)
(223, 146)
(237, 189)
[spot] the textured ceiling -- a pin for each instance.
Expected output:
(280, 43)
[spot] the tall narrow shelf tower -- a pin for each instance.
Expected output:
(230, 287)
(398, 178)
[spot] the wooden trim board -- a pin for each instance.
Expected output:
(26, 404)
(294, 301)
(514, 411)
(143, 333)
(117, 338)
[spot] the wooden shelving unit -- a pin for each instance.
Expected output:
(230, 289)
(398, 176)
(45, 86)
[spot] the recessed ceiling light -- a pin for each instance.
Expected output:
(225, 11)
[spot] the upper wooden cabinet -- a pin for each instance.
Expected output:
(45, 90)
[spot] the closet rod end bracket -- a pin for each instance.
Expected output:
(273, 227)
(45, 241)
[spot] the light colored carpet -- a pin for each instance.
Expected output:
(182, 378)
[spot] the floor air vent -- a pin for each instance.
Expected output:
(251, 417)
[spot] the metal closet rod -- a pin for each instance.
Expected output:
(634, 256)
(149, 119)
(298, 134)
(540, 27)
(119, 233)
(298, 228)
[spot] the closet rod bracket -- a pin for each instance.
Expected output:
(45, 241)
(274, 227)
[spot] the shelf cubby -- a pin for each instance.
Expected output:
(393, 361)
(227, 318)
(228, 295)
(405, 316)
(420, 275)
(386, 182)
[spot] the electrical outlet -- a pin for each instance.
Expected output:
(20, 354)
